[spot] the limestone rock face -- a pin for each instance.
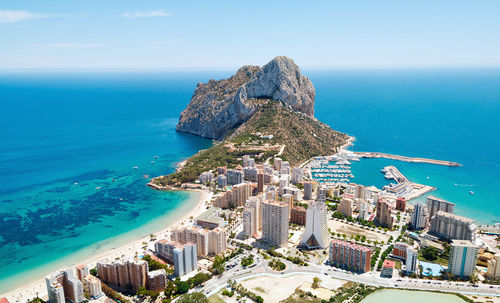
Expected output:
(218, 106)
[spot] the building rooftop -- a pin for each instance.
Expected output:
(453, 216)
(466, 243)
(211, 215)
(389, 264)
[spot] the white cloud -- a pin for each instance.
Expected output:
(74, 45)
(146, 14)
(10, 16)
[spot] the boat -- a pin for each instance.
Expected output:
(135, 167)
(156, 157)
(98, 187)
(152, 162)
(471, 192)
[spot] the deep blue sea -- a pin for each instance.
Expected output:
(65, 137)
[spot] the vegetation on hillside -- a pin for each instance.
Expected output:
(304, 137)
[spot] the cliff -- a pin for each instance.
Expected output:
(219, 106)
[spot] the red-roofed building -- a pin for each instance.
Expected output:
(388, 269)
(4, 300)
(399, 250)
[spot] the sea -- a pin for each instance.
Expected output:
(77, 149)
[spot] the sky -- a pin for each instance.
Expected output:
(147, 34)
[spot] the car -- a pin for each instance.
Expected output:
(326, 274)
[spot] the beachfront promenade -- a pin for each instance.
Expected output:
(376, 155)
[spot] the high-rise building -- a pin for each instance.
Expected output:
(399, 250)
(345, 207)
(275, 223)
(250, 173)
(206, 177)
(297, 175)
(308, 190)
(82, 271)
(208, 242)
(363, 211)
(351, 256)
(234, 176)
(419, 217)
(157, 280)
(55, 291)
(411, 260)
(217, 238)
(127, 274)
(92, 286)
(435, 204)
(285, 168)
(450, 226)
(138, 271)
(360, 192)
(283, 182)
(277, 164)
(401, 204)
(185, 259)
(260, 182)
(494, 267)
(298, 215)
(249, 222)
(462, 260)
(316, 234)
(383, 215)
(256, 203)
(245, 159)
(222, 181)
(67, 283)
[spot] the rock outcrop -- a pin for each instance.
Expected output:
(218, 106)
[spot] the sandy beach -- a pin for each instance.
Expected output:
(31, 290)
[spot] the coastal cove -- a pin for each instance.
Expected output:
(74, 161)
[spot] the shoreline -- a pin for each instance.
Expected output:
(38, 287)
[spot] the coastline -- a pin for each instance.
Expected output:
(37, 287)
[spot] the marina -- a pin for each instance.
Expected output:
(334, 169)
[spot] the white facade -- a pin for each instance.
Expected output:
(419, 217)
(297, 175)
(92, 286)
(411, 260)
(249, 222)
(185, 259)
(316, 232)
(284, 182)
(494, 267)
(275, 223)
(463, 255)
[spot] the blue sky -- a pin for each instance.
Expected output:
(227, 34)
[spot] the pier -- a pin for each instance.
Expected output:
(376, 155)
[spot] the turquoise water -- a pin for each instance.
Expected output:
(396, 296)
(58, 130)
(84, 128)
(441, 114)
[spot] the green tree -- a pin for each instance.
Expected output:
(182, 287)
(316, 282)
(430, 253)
(93, 271)
(218, 265)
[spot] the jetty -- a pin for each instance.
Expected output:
(376, 155)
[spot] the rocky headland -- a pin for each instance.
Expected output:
(261, 112)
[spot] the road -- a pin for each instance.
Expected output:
(261, 268)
